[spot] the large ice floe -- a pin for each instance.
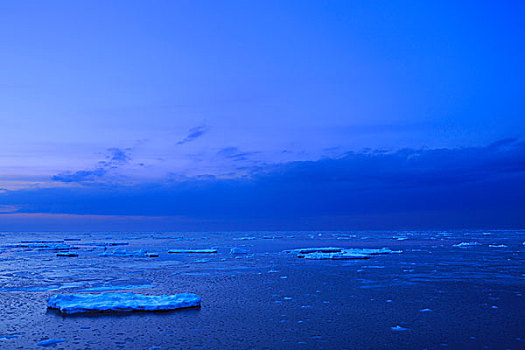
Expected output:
(121, 302)
(333, 253)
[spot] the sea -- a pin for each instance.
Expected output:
(455, 289)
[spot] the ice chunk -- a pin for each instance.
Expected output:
(398, 328)
(334, 253)
(105, 244)
(465, 244)
(235, 251)
(9, 336)
(49, 342)
(120, 302)
(44, 246)
(497, 246)
(244, 238)
(152, 255)
(69, 254)
(334, 256)
(193, 251)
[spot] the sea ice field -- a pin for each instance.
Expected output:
(263, 290)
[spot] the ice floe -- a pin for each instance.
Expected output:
(236, 251)
(43, 246)
(192, 251)
(121, 302)
(67, 254)
(398, 328)
(333, 253)
(9, 336)
(49, 342)
(465, 244)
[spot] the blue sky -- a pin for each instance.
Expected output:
(261, 114)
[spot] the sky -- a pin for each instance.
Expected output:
(261, 115)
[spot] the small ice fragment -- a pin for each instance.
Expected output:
(244, 238)
(465, 244)
(44, 246)
(103, 302)
(497, 246)
(49, 342)
(283, 277)
(287, 298)
(192, 251)
(9, 336)
(398, 328)
(425, 310)
(236, 251)
(389, 301)
(68, 254)
(494, 307)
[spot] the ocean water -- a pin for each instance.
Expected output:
(444, 289)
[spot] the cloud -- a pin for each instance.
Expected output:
(80, 176)
(193, 134)
(116, 157)
(234, 154)
(462, 187)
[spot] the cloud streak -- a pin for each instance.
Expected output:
(193, 134)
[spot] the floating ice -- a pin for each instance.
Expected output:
(193, 251)
(9, 336)
(105, 244)
(49, 342)
(497, 246)
(334, 256)
(152, 255)
(120, 302)
(236, 251)
(465, 244)
(398, 328)
(244, 238)
(333, 253)
(425, 310)
(68, 254)
(43, 246)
